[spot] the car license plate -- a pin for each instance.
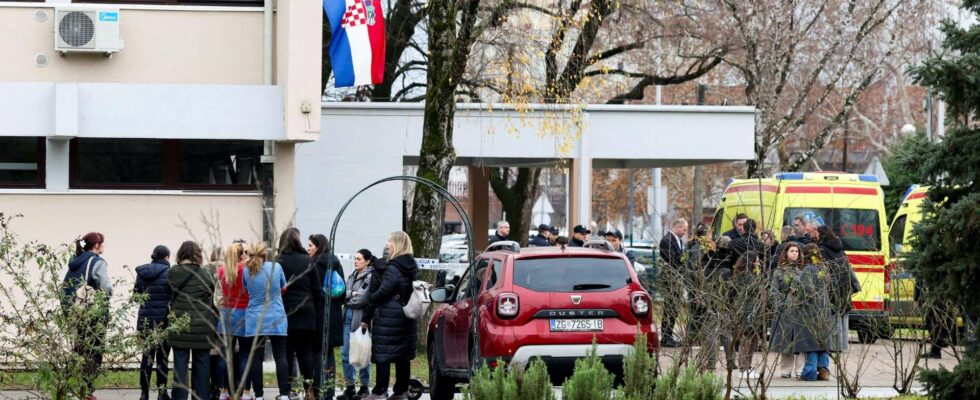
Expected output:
(576, 325)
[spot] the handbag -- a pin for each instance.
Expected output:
(335, 287)
(85, 295)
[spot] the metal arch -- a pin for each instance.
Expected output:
(471, 252)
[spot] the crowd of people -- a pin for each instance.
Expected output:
(805, 272)
(241, 299)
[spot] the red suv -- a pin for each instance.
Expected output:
(546, 302)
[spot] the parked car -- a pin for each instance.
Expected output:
(514, 304)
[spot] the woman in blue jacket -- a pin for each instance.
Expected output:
(265, 318)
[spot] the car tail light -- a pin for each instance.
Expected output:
(640, 304)
(508, 304)
(888, 278)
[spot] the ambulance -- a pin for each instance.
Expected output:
(904, 307)
(900, 235)
(851, 204)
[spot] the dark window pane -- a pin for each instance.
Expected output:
(858, 229)
(571, 274)
(219, 162)
(121, 162)
(20, 160)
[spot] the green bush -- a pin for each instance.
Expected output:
(963, 382)
(590, 380)
(514, 383)
(639, 369)
(691, 385)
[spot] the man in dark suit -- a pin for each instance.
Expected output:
(503, 229)
(672, 248)
(738, 228)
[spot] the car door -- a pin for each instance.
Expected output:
(457, 321)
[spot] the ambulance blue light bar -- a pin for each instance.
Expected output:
(868, 178)
(794, 176)
(908, 192)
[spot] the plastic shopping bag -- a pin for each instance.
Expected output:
(360, 349)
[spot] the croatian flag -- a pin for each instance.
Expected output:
(357, 42)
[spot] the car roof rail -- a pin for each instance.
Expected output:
(505, 245)
(598, 244)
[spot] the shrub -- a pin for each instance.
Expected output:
(590, 380)
(638, 372)
(514, 383)
(691, 385)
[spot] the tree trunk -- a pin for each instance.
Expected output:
(437, 155)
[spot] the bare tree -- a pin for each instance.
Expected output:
(797, 58)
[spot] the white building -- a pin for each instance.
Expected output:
(364, 142)
(174, 125)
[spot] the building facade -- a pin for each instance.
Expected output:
(188, 131)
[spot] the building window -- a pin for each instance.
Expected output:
(21, 162)
(165, 164)
(113, 163)
(230, 163)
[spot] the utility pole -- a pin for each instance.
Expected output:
(698, 195)
(844, 157)
(629, 224)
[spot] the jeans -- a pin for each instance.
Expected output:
(365, 373)
(255, 370)
(161, 356)
(403, 370)
(300, 345)
(201, 378)
(814, 360)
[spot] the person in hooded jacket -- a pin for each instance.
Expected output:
(843, 283)
(302, 281)
(192, 286)
(356, 297)
(326, 263)
(394, 335)
(89, 269)
(152, 281)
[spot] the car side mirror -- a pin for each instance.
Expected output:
(441, 278)
(441, 295)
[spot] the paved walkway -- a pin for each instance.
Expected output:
(873, 364)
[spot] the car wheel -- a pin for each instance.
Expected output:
(440, 386)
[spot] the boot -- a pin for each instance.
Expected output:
(144, 395)
(823, 374)
(162, 394)
(364, 392)
(348, 394)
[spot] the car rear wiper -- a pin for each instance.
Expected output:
(590, 286)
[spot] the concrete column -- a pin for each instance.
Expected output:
(285, 186)
(56, 165)
(479, 207)
(580, 192)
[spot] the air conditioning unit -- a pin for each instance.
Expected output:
(87, 30)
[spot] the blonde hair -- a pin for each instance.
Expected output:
(232, 257)
(401, 244)
(257, 254)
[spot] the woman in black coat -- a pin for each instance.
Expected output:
(301, 284)
(394, 335)
(325, 263)
(151, 280)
